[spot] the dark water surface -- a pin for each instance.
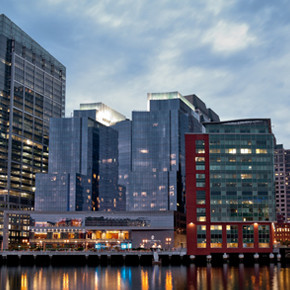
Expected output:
(155, 277)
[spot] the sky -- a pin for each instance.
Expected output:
(233, 54)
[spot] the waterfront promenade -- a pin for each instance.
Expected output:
(132, 257)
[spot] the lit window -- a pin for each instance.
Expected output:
(216, 236)
(199, 159)
(231, 150)
(246, 176)
(246, 151)
(201, 236)
(144, 151)
(261, 151)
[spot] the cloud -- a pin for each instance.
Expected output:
(227, 37)
(233, 54)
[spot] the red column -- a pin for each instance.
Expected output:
(224, 235)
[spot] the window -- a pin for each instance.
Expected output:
(200, 197)
(199, 143)
(231, 150)
(200, 167)
(246, 176)
(200, 180)
(232, 236)
(200, 214)
(216, 236)
(201, 236)
(200, 184)
(246, 151)
(199, 159)
(264, 236)
(214, 151)
(200, 176)
(261, 151)
(248, 236)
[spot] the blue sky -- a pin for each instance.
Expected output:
(235, 55)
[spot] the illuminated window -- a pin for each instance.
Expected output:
(261, 151)
(201, 214)
(216, 236)
(199, 159)
(232, 236)
(144, 151)
(231, 150)
(201, 236)
(246, 176)
(248, 236)
(264, 236)
(246, 151)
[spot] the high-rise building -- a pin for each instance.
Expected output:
(32, 90)
(83, 167)
(124, 129)
(230, 195)
(154, 170)
(282, 183)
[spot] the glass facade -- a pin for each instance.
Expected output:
(157, 173)
(83, 168)
(124, 147)
(32, 90)
(241, 171)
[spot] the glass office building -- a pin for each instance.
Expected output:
(156, 137)
(124, 129)
(83, 167)
(230, 187)
(32, 90)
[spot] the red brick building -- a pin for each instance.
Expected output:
(223, 214)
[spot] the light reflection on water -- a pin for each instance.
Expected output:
(145, 278)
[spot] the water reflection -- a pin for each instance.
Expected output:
(146, 278)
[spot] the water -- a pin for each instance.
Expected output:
(145, 278)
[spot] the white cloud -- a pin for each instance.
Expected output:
(227, 37)
(217, 6)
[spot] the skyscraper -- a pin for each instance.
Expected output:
(83, 166)
(230, 198)
(282, 185)
(32, 90)
(155, 177)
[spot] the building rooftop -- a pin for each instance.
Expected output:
(103, 114)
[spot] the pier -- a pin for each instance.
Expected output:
(133, 258)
